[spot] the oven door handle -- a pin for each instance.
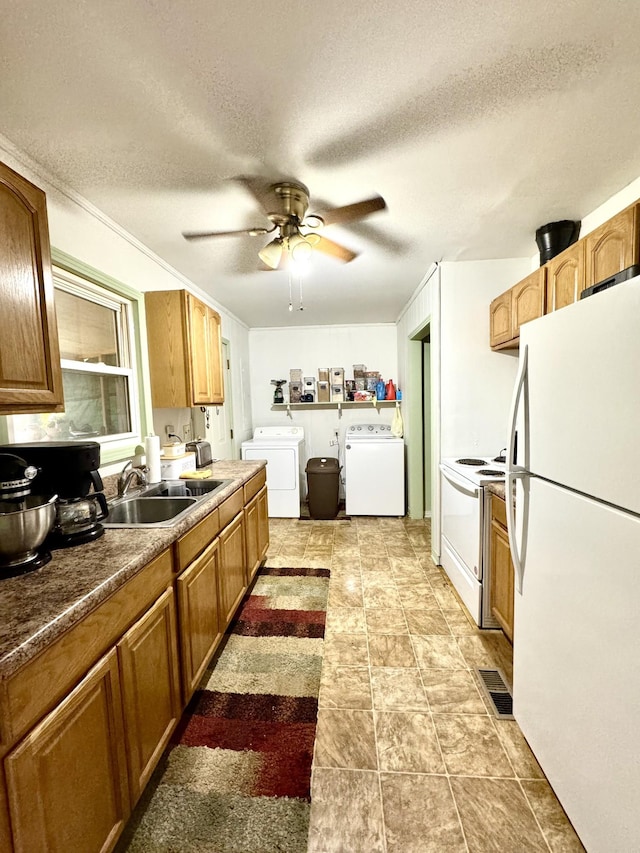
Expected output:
(464, 486)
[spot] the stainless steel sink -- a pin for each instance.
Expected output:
(161, 504)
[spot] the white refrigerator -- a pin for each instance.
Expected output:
(575, 542)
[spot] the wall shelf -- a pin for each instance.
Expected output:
(346, 404)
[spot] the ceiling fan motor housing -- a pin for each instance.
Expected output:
(289, 204)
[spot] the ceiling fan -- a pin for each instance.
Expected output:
(285, 204)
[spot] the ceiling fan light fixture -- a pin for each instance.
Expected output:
(271, 254)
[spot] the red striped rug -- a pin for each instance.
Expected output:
(237, 775)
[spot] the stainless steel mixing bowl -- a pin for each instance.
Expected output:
(24, 527)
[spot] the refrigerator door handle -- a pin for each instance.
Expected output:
(514, 471)
(516, 556)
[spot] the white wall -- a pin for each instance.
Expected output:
(476, 383)
(273, 352)
(81, 230)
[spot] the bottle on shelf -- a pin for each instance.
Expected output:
(390, 391)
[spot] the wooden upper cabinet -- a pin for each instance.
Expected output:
(527, 300)
(30, 374)
(500, 320)
(185, 350)
(565, 277)
(613, 246)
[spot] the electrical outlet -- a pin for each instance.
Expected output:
(186, 431)
(168, 429)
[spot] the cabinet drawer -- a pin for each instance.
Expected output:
(498, 510)
(254, 485)
(196, 540)
(230, 508)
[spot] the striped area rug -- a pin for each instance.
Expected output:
(237, 776)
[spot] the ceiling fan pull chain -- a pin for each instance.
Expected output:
(290, 284)
(300, 284)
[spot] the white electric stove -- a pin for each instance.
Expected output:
(464, 526)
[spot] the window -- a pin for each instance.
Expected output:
(97, 352)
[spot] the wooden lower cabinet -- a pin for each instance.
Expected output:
(232, 576)
(67, 779)
(502, 574)
(201, 627)
(257, 532)
(76, 762)
(148, 655)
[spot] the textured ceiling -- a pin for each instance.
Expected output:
(477, 122)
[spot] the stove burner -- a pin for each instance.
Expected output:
(471, 461)
(500, 459)
(490, 472)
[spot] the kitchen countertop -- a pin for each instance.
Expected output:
(496, 489)
(36, 608)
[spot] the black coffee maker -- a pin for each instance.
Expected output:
(70, 470)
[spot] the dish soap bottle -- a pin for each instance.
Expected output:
(390, 391)
(380, 390)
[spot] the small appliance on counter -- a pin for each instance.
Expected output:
(202, 450)
(68, 469)
(25, 519)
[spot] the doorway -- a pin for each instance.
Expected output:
(215, 423)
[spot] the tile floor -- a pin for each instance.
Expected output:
(408, 757)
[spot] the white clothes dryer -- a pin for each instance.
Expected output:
(282, 447)
(374, 470)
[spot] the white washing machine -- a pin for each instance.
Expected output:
(374, 470)
(282, 447)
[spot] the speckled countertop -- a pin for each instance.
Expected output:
(496, 489)
(36, 608)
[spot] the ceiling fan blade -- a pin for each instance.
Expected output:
(199, 235)
(351, 211)
(334, 249)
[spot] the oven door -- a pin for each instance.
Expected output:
(462, 519)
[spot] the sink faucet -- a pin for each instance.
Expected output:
(125, 478)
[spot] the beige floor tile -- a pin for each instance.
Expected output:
(420, 815)
(346, 650)
(427, 622)
(496, 816)
(470, 746)
(345, 687)
(417, 597)
(398, 689)
(381, 597)
(555, 825)
(345, 738)
(345, 620)
(459, 623)
(345, 592)
(516, 747)
(407, 742)
(452, 691)
(346, 812)
(391, 650)
(487, 649)
(375, 563)
(391, 621)
(435, 652)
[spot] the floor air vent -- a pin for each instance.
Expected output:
(495, 689)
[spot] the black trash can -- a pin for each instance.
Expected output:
(323, 483)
